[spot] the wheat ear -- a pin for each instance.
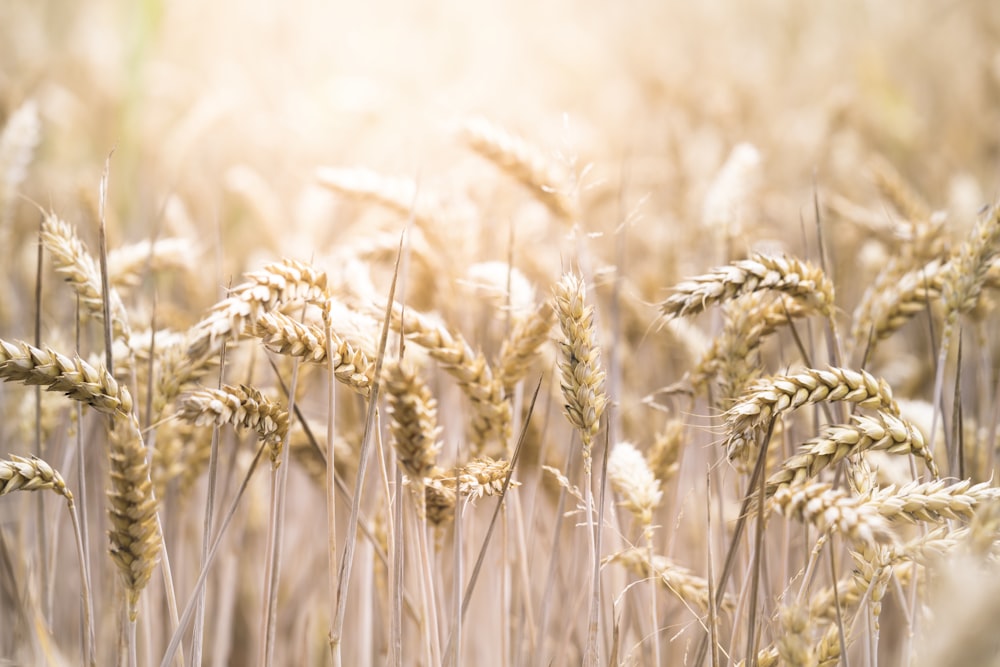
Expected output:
(520, 349)
(933, 501)
(768, 397)
(413, 422)
(263, 291)
(241, 406)
(492, 417)
(544, 177)
(885, 432)
(18, 140)
(78, 267)
(683, 583)
(830, 509)
(759, 272)
(581, 374)
(18, 473)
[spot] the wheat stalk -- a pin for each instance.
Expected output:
(759, 272)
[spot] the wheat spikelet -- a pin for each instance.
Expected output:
(241, 406)
(492, 417)
(759, 272)
(264, 290)
(682, 582)
(545, 178)
(134, 535)
(79, 268)
(884, 432)
(413, 422)
(769, 397)
(830, 509)
(933, 501)
(285, 335)
(631, 477)
(18, 473)
(520, 349)
(21, 362)
(18, 140)
(581, 374)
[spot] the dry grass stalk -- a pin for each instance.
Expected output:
(933, 501)
(884, 432)
(547, 180)
(769, 397)
(631, 477)
(520, 349)
(241, 406)
(413, 422)
(18, 140)
(74, 377)
(264, 290)
(581, 374)
(134, 534)
(690, 589)
(18, 473)
(830, 509)
(78, 267)
(285, 335)
(492, 417)
(759, 272)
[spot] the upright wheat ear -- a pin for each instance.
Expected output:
(413, 424)
(581, 374)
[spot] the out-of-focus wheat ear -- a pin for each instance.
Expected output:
(963, 276)
(520, 349)
(440, 496)
(733, 356)
(732, 196)
(680, 581)
(78, 267)
(492, 416)
(127, 264)
(903, 196)
(757, 273)
(241, 406)
(72, 376)
(18, 141)
(829, 510)
(264, 290)
(664, 456)
(18, 473)
(893, 300)
(483, 477)
(873, 571)
(548, 180)
(769, 397)
(413, 422)
(794, 644)
(631, 477)
(134, 535)
(580, 370)
(282, 334)
(885, 432)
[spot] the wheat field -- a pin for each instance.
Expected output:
(469, 333)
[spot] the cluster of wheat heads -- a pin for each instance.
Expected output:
(424, 504)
